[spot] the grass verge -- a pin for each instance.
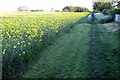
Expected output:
(106, 64)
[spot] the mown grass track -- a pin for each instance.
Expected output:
(104, 52)
(84, 52)
(68, 57)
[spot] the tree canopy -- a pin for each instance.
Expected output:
(23, 8)
(75, 9)
(116, 4)
(101, 6)
(37, 10)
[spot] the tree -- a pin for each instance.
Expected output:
(115, 8)
(37, 10)
(75, 9)
(78, 9)
(71, 9)
(102, 6)
(57, 10)
(23, 8)
(116, 4)
(65, 10)
(84, 9)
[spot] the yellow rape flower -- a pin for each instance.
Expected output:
(14, 46)
(19, 54)
(40, 39)
(57, 31)
(23, 52)
(29, 43)
(4, 51)
(18, 43)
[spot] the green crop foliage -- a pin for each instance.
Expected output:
(25, 33)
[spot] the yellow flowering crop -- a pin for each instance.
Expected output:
(21, 34)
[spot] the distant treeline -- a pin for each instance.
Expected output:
(37, 10)
(65, 9)
(75, 9)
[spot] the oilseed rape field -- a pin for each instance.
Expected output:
(25, 33)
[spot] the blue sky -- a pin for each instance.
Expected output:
(12, 5)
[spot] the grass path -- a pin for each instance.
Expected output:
(68, 57)
(104, 52)
(98, 70)
(87, 51)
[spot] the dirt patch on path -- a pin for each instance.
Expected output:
(112, 27)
